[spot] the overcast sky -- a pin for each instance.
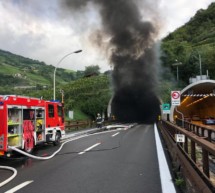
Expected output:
(42, 30)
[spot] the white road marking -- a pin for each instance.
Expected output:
(166, 179)
(115, 134)
(89, 148)
(16, 188)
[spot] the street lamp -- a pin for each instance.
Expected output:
(177, 64)
(75, 52)
(200, 63)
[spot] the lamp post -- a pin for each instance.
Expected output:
(200, 63)
(177, 64)
(75, 52)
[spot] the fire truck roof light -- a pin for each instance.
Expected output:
(55, 101)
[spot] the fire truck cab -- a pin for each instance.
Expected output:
(26, 122)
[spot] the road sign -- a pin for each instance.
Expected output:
(166, 108)
(180, 138)
(176, 97)
(71, 114)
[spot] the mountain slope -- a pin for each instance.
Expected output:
(16, 71)
(192, 44)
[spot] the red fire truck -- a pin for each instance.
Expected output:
(26, 122)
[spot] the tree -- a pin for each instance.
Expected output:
(92, 70)
(79, 74)
(90, 95)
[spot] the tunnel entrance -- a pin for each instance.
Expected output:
(197, 100)
(135, 106)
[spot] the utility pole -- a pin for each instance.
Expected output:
(177, 64)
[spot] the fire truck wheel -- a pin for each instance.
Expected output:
(57, 139)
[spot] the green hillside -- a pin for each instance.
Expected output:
(86, 96)
(191, 44)
(17, 71)
(85, 92)
(90, 94)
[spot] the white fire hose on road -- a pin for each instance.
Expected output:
(48, 157)
(34, 157)
(81, 135)
(11, 178)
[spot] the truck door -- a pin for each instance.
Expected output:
(60, 116)
(51, 115)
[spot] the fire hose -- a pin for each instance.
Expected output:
(10, 178)
(34, 157)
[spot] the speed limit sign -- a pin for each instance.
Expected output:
(176, 97)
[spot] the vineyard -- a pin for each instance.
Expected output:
(91, 95)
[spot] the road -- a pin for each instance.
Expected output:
(119, 161)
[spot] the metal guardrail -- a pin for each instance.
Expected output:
(204, 131)
(78, 124)
(196, 153)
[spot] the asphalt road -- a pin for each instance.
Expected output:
(119, 161)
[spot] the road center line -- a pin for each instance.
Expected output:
(89, 148)
(16, 188)
(115, 134)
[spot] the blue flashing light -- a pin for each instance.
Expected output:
(57, 101)
(1, 103)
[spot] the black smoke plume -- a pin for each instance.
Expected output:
(132, 52)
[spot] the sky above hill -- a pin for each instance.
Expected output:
(48, 30)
